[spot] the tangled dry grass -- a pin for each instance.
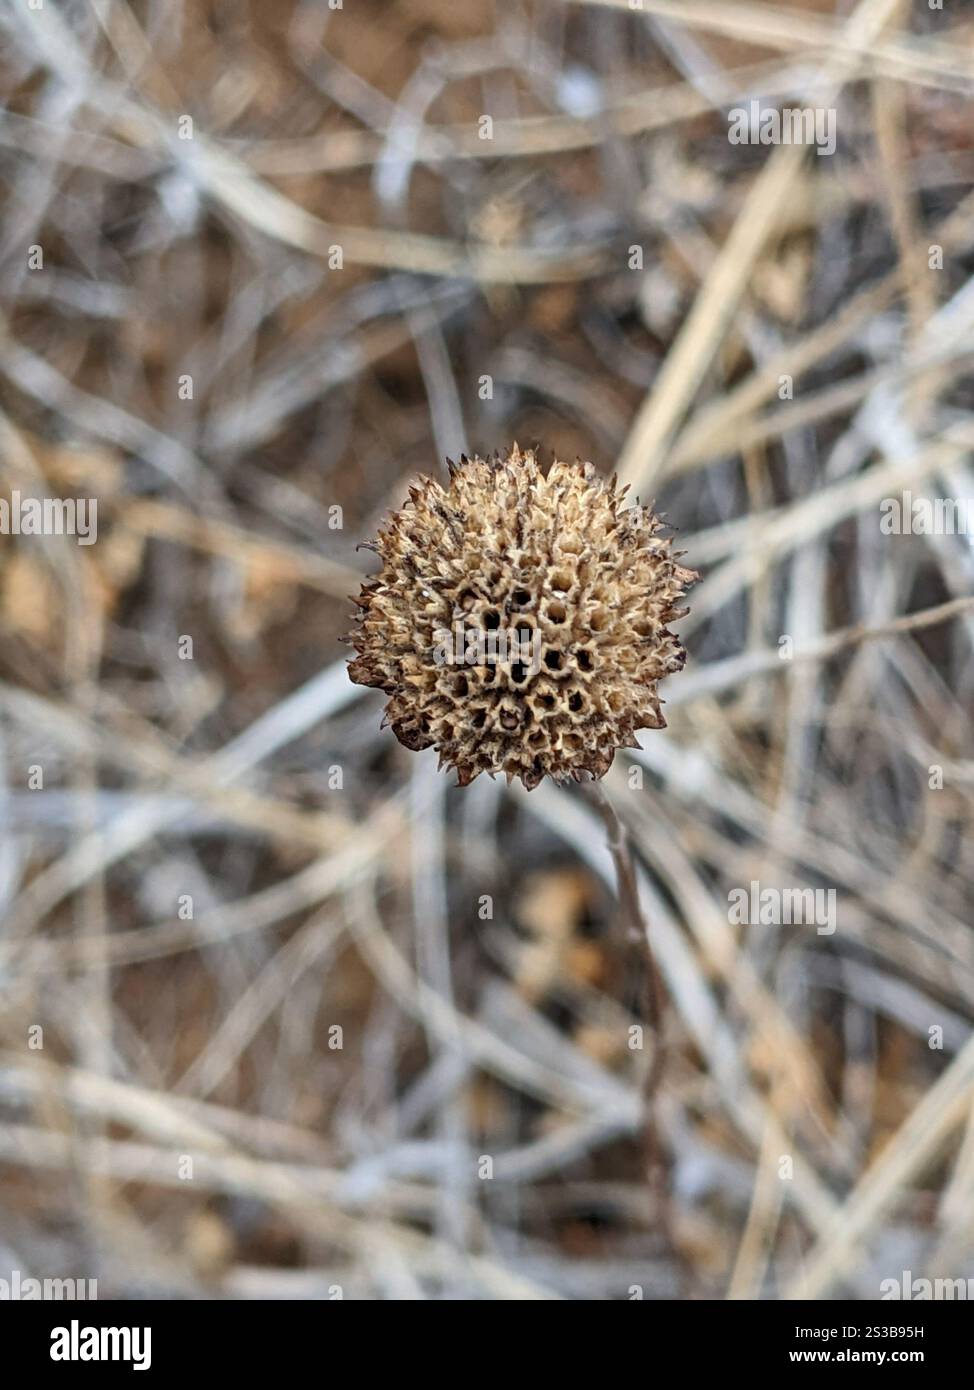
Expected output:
(311, 1017)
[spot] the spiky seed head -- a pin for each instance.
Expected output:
(519, 622)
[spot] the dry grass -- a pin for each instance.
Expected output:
(815, 1142)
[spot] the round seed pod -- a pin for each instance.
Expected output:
(519, 621)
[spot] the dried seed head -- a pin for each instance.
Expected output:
(518, 622)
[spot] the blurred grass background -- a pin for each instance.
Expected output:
(293, 987)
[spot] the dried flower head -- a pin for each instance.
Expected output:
(519, 622)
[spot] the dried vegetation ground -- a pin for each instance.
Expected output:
(359, 908)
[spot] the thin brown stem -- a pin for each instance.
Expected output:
(655, 1001)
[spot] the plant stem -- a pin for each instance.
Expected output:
(637, 930)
